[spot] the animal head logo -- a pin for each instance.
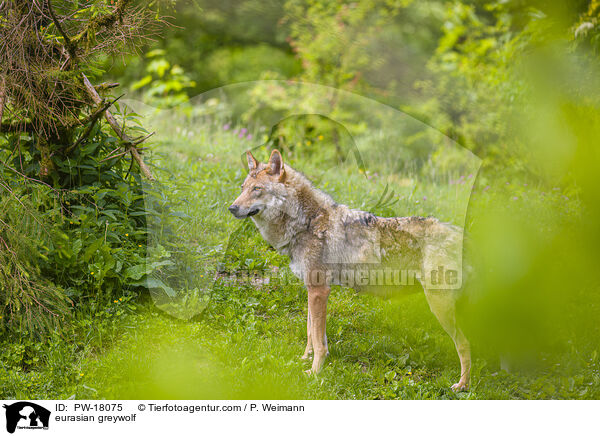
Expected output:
(26, 415)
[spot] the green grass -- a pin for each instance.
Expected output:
(247, 342)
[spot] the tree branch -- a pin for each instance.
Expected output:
(142, 139)
(105, 20)
(71, 48)
(2, 98)
(117, 129)
(105, 86)
(91, 122)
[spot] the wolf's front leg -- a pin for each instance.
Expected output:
(317, 305)
(308, 350)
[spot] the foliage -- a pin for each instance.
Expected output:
(463, 67)
(30, 301)
(165, 83)
(246, 343)
(46, 45)
(218, 43)
(81, 236)
(61, 168)
(349, 45)
(586, 31)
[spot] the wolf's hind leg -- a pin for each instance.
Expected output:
(309, 349)
(443, 305)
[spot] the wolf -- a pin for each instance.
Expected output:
(331, 244)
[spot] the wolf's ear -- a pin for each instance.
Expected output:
(276, 164)
(252, 162)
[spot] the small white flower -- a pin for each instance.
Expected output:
(583, 28)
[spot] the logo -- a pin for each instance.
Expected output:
(26, 415)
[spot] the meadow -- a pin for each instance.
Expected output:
(245, 340)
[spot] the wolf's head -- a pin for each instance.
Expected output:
(263, 191)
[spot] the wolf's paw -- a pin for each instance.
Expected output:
(314, 370)
(306, 356)
(461, 386)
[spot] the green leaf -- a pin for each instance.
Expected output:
(77, 246)
(92, 249)
(135, 272)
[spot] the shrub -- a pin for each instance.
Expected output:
(73, 215)
(29, 301)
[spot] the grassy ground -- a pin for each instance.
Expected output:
(247, 342)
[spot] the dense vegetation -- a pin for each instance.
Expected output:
(106, 274)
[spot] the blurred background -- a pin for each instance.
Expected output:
(481, 113)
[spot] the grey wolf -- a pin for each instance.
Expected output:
(329, 243)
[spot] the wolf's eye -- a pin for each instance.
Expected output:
(256, 188)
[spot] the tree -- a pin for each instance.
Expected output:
(47, 50)
(58, 165)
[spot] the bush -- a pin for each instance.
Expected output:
(71, 243)
(73, 216)
(164, 84)
(29, 300)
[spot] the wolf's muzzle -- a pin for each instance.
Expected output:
(235, 210)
